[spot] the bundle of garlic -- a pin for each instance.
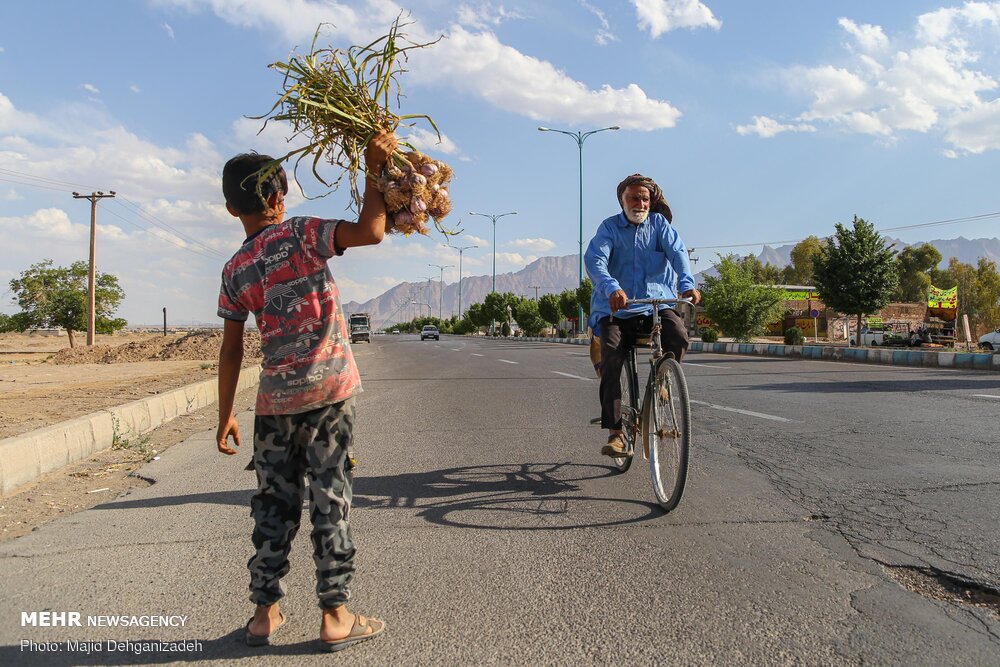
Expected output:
(415, 191)
(337, 101)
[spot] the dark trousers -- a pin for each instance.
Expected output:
(617, 340)
(317, 445)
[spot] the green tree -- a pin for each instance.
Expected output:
(56, 296)
(739, 305)
(548, 308)
(496, 305)
(987, 294)
(568, 304)
(800, 271)
(583, 294)
(528, 317)
(477, 315)
(855, 272)
(914, 265)
(763, 274)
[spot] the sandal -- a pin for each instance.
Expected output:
(262, 640)
(359, 633)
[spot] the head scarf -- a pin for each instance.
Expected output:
(657, 202)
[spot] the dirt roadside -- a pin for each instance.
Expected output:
(43, 382)
(103, 476)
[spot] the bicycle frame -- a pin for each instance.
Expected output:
(656, 353)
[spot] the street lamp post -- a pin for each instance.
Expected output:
(460, 250)
(580, 137)
(441, 285)
(494, 218)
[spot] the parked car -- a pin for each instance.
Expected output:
(395, 332)
(885, 335)
(990, 341)
(430, 331)
(361, 333)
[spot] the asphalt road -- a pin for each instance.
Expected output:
(835, 514)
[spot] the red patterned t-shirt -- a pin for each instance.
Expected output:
(280, 275)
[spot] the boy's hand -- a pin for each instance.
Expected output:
(378, 151)
(222, 435)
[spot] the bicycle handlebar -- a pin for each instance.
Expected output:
(659, 302)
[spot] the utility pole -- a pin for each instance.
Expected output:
(692, 258)
(536, 288)
(93, 197)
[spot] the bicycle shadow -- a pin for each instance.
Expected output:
(522, 497)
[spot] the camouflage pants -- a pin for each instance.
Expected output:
(317, 445)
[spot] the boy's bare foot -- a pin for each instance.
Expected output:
(265, 622)
(341, 629)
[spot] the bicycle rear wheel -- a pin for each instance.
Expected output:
(630, 413)
(669, 433)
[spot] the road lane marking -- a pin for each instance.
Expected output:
(476, 355)
(750, 413)
(688, 363)
(575, 377)
(456, 349)
(986, 396)
(508, 361)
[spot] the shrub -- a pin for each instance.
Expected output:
(709, 335)
(505, 330)
(794, 336)
(562, 333)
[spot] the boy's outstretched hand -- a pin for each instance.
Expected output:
(378, 151)
(222, 435)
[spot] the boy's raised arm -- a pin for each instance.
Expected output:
(371, 222)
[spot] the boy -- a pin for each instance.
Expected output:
(305, 403)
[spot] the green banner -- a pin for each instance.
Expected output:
(942, 298)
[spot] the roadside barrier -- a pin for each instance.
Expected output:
(26, 457)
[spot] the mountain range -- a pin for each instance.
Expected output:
(555, 274)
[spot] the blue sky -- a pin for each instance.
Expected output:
(762, 121)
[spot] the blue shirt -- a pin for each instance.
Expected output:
(642, 260)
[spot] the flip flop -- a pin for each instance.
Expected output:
(359, 633)
(262, 640)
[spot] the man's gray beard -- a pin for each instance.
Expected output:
(636, 217)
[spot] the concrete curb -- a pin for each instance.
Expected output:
(26, 457)
(864, 355)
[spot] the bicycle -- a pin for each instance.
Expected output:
(664, 420)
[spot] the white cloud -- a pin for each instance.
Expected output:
(427, 141)
(473, 61)
(485, 16)
(10, 195)
(2, 49)
(604, 34)
(944, 24)
(869, 37)
(514, 259)
(91, 88)
(536, 245)
(927, 81)
(469, 239)
(135, 88)
(766, 128)
(977, 129)
(660, 16)
(169, 30)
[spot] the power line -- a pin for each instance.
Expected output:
(163, 238)
(950, 221)
(138, 210)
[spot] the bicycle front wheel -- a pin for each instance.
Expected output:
(630, 414)
(670, 433)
